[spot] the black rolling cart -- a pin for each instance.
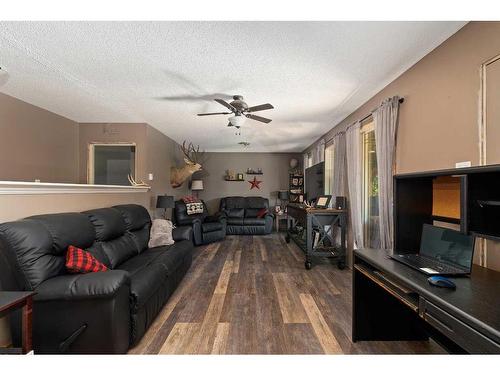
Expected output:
(313, 230)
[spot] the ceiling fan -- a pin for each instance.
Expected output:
(240, 109)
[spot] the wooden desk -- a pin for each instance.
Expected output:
(394, 302)
(322, 221)
(10, 301)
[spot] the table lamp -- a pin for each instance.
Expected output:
(196, 185)
(282, 196)
(165, 201)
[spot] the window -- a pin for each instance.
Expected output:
(370, 185)
(329, 158)
(111, 164)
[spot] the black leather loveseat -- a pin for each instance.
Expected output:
(206, 228)
(241, 215)
(103, 312)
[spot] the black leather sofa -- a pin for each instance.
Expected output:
(206, 228)
(241, 215)
(104, 312)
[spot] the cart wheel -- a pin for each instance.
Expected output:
(308, 265)
(287, 238)
(341, 264)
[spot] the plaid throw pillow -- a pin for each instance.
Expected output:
(261, 213)
(81, 261)
(190, 199)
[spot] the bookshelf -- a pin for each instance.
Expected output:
(296, 187)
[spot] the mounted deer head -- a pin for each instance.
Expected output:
(192, 158)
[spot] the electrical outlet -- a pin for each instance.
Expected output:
(150, 177)
(463, 164)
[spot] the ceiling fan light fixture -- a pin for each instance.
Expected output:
(237, 120)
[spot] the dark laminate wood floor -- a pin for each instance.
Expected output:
(252, 295)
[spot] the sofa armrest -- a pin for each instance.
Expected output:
(93, 285)
(182, 233)
(197, 235)
(218, 217)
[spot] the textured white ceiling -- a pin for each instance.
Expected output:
(314, 73)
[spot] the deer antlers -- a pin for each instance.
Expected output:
(192, 154)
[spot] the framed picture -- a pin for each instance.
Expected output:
(323, 201)
(240, 176)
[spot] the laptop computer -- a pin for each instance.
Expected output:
(443, 251)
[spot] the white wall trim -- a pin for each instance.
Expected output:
(36, 188)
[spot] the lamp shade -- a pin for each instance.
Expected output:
(283, 195)
(165, 201)
(237, 120)
(197, 185)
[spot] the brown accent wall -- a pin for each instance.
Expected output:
(438, 123)
(36, 144)
(156, 153)
(112, 133)
(162, 153)
(275, 167)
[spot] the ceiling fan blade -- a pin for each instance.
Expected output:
(226, 104)
(258, 118)
(261, 107)
(214, 113)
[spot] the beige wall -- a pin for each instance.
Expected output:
(274, 165)
(438, 123)
(162, 153)
(14, 207)
(36, 144)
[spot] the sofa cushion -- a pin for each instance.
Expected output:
(236, 212)
(254, 221)
(108, 223)
(251, 212)
(211, 227)
(135, 216)
(234, 221)
(67, 229)
(119, 250)
(144, 283)
(257, 202)
(150, 269)
(233, 202)
(30, 243)
(138, 223)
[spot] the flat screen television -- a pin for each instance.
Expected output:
(315, 181)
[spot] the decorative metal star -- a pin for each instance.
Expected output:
(255, 183)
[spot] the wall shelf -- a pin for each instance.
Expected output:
(256, 173)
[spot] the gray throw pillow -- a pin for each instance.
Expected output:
(161, 233)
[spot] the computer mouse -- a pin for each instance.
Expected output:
(441, 282)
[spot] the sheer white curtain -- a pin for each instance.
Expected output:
(354, 181)
(386, 122)
(339, 165)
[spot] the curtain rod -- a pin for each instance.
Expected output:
(401, 100)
